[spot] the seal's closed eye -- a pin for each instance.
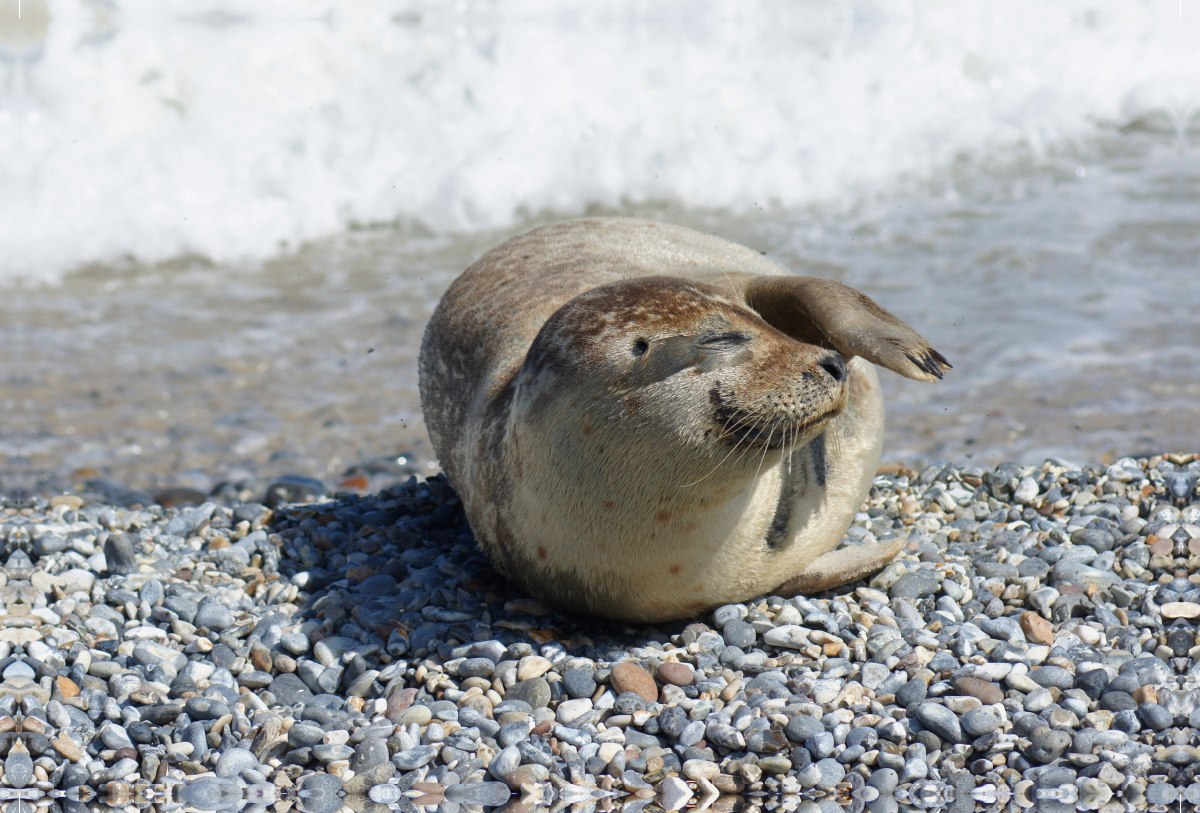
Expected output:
(723, 341)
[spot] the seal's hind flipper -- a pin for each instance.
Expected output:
(834, 316)
(838, 567)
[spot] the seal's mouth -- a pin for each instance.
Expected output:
(751, 430)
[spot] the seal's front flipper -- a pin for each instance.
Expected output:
(834, 316)
(838, 567)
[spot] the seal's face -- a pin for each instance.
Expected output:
(683, 359)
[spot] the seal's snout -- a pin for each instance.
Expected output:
(834, 366)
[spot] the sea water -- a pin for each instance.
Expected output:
(223, 225)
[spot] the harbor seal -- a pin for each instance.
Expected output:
(644, 422)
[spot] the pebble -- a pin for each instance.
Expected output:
(980, 721)
(1013, 648)
(579, 681)
(535, 692)
(1048, 746)
(1052, 677)
(119, 555)
(941, 721)
(740, 634)
(1036, 629)
(986, 692)
(487, 794)
(630, 677)
(913, 691)
(676, 674)
(917, 584)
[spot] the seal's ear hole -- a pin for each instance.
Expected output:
(640, 347)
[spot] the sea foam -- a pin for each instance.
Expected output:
(232, 129)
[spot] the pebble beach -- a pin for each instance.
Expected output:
(1032, 647)
(232, 578)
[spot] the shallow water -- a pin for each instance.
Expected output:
(134, 128)
(1064, 292)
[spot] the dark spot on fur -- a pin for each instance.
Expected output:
(609, 504)
(783, 511)
(633, 404)
(587, 429)
(541, 553)
(663, 515)
(675, 569)
(817, 447)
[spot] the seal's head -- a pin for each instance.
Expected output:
(684, 361)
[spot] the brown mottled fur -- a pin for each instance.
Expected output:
(644, 421)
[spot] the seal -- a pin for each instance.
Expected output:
(644, 422)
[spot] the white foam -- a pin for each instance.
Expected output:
(229, 128)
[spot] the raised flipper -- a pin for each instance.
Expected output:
(838, 567)
(836, 317)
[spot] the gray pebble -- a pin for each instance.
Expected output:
(980, 721)
(232, 762)
(213, 615)
(211, 793)
(915, 584)
(1052, 677)
(119, 554)
(205, 708)
(320, 793)
(303, 735)
(1048, 746)
(505, 762)
(368, 754)
(941, 721)
(1154, 716)
(692, 733)
(913, 691)
(535, 692)
(413, 758)
(488, 794)
(800, 727)
(740, 634)
(579, 681)
(328, 752)
(831, 772)
(820, 744)
(294, 643)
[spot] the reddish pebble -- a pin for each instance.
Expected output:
(67, 687)
(629, 677)
(677, 674)
(361, 572)
(1037, 629)
(355, 483)
(400, 700)
(985, 691)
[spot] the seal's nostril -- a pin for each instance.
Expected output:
(835, 366)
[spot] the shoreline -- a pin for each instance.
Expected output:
(1033, 645)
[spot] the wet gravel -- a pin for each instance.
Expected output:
(1033, 647)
